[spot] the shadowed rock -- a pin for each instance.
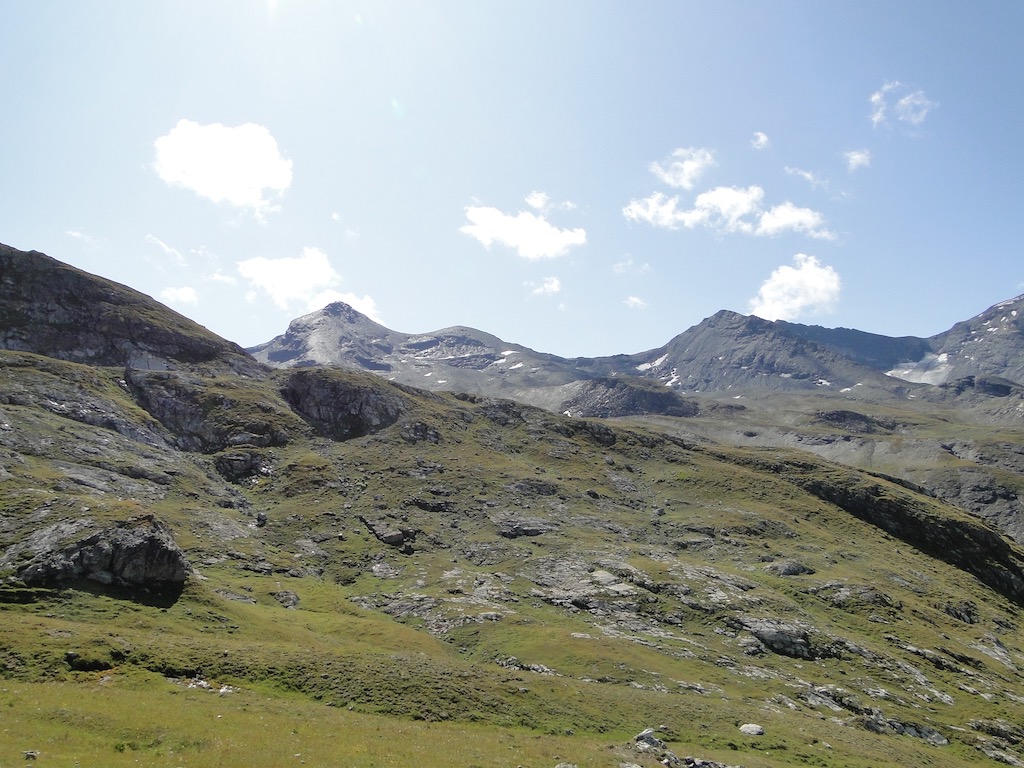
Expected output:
(136, 553)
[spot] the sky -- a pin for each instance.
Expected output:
(582, 177)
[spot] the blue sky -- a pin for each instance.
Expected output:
(584, 178)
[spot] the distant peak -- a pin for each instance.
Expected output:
(343, 311)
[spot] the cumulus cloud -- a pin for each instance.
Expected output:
(684, 167)
(302, 283)
(657, 209)
(857, 158)
(531, 235)
(760, 140)
(538, 200)
(549, 286)
(789, 218)
(183, 295)
(728, 210)
(911, 106)
(241, 166)
(791, 291)
(635, 302)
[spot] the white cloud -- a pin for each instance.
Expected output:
(237, 165)
(857, 158)
(174, 253)
(724, 208)
(531, 235)
(728, 210)
(84, 237)
(183, 295)
(789, 218)
(914, 108)
(790, 291)
(809, 176)
(538, 200)
(686, 166)
(548, 287)
(878, 103)
(635, 302)
(220, 277)
(910, 107)
(658, 210)
(760, 140)
(302, 283)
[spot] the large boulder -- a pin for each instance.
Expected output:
(139, 552)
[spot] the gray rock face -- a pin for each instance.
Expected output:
(53, 309)
(338, 408)
(136, 553)
(876, 722)
(189, 407)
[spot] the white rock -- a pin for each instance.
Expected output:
(752, 729)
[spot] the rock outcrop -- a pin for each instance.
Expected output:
(340, 408)
(135, 553)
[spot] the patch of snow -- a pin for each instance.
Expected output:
(846, 389)
(442, 381)
(656, 364)
(513, 367)
(786, 375)
(426, 375)
(823, 383)
(508, 352)
(931, 369)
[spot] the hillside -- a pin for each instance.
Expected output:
(318, 565)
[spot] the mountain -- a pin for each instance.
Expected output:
(725, 352)
(205, 560)
(461, 359)
(53, 309)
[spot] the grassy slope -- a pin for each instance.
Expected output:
(683, 532)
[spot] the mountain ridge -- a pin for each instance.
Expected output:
(727, 351)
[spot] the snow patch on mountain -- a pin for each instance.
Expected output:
(931, 369)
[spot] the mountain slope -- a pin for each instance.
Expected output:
(53, 309)
(328, 537)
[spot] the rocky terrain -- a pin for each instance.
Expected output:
(788, 577)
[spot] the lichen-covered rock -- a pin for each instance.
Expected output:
(136, 553)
